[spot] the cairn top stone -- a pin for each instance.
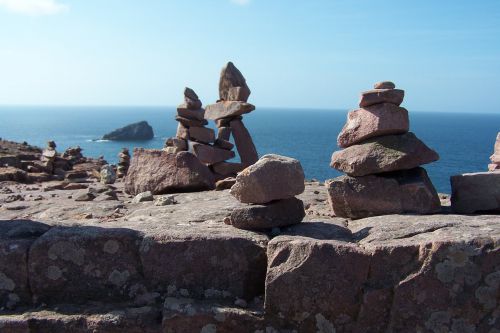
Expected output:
(384, 85)
(189, 93)
(191, 99)
(231, 78)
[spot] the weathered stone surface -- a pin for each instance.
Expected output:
(227, 168)
(244, 143)
(201, 134)
(188, 122)
(108, 174)
(232, 84)
(224, 133)
(409, 191)
(191, 99)
(187, 315)
(16, 238)
(106, 261)
(227, 109)
(161, 173)
(182, 132)
(223, 144)
(137, 131)
(225, 184)
(273, 177)
(384, 85)
(209, 154)
(280, 213)
(184, 111)
(372, 121)
(143, 197)
(476, 192)
(378, 96)
(383, 154)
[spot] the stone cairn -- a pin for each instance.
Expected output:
(381, 160)
(193, 136)
(495, 158)
(227, 114)
(49, 156)
(123, 163)
(270, 187)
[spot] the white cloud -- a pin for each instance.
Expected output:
(34, 7)
(241, 2)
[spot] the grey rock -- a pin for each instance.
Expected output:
(227, 109)
(108, 174)
(143, 197)
(165, 200)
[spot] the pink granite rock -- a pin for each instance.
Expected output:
(383, 154)
(210, 154)
(384, 85)
(227, 109)
(182, 132)
(232, 84)
(201, 134)
(373, 121)
(160, 172)
(184, 111)
(475, 192)
(244, 143)
(377, 96)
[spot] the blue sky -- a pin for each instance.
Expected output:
(315, 53)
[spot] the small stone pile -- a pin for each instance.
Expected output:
(381, 160)
(193, 136)
(227, 114)
(73, 155)
(495, 158)
(270, 187)
(49, 156)
(123, 163)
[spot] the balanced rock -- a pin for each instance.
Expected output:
(276, 214)
(244, 143)
(137, 131)
(184, 111)
(232, 84)
(273, 177)
(160, 172)
(372, 121)
(409, 191)
(227, 109)
(384, 85)
(383, 154)
(191, 99)
(377, 96)
(475, 192)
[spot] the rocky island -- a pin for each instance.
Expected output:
(151, 246)
(139, 131)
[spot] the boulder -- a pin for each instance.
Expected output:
(384, 85)
(161, 173)
(227, 109)
(209, 154)
(383, 154)
(201, 134)
(372, 121)
(232, 84)
(108, 174)
(191, 99)
(276, 214)
(134, 132)
(377, 96)
(177, 143)
(244, 143)
(184, 111)
(223, 144)
(495, 158)
(409, 191)
(475, 192)
(273, 177)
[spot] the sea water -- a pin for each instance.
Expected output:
(464, 141)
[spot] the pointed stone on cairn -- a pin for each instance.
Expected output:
(227, 113)
(123, 163)
(495, 158)
(382, 161)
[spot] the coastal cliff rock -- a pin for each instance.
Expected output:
(139, 131)
(161, 172)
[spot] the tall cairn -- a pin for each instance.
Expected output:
(123, 163)
(228, 116)
(495, 158)
(382, 161)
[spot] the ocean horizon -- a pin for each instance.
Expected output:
(464, 141)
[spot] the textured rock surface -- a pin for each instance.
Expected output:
(384, 85)
(244, 143)
(280, 213)
(227, 109)
(210, 154)
(373, 121)
(137, 131)
(383, 154)
(476, 192)
(232, 84)
(398, 192)
(495, 158)
(377, 96)
(273, 177)
(160, 172)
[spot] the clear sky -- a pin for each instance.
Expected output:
(304, 53)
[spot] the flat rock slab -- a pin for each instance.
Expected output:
(373, 121)
(383, 154)
(227, 109)
(476, 192)
(161, 172)
(409, 191)
(378, 96)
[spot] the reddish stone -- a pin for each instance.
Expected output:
(223, 144)
(201, 134)
(224, 133)
(232, 84)
(244, 143)
(226, 109)
(377, 96)
(182, 132)
(209, 154)
(384, 85)
(184, 111)
(372, 121)
(227, 168)
(191, 122)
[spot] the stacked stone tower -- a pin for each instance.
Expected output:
(382, 161)
(227, 114)
(123, 163)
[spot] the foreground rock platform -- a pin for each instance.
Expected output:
(118, 266)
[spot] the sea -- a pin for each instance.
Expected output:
(464, 141)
